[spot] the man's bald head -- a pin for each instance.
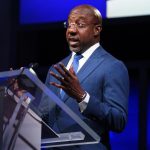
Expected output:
(90, 11)
(84, 27)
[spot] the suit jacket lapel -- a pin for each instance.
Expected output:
(95, 60)
(92, 63)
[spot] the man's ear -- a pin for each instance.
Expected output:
(97, 30)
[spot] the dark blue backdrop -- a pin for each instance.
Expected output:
(45, 11)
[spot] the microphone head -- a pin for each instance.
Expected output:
(33, 65)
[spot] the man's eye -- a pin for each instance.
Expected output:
(81, 25)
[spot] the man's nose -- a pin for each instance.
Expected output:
(72, 30)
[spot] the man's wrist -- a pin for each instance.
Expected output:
(83, 104)
(82, 97)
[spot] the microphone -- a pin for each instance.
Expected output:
(33, 65)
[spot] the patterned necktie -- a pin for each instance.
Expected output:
(75, 65)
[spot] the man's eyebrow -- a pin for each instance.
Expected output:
(81, 20)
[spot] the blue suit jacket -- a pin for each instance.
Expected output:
(106, 80)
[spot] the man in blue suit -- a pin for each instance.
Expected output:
(98, 91)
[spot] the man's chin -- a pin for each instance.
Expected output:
(75, 49)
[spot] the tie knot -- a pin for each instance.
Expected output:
(78, 56)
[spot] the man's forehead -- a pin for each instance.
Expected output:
(83, 11)
(80, 14)
(77, 17)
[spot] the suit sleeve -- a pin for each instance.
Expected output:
(112, 108)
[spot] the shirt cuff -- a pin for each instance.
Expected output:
(83, 103)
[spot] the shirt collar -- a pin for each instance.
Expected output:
(89, 51)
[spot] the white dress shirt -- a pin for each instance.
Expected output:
(85, 57)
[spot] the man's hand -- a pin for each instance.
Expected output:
(14, 86)
(69, 82)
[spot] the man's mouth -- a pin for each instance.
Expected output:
(73, 42)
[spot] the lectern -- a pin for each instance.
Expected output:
(21, 93)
